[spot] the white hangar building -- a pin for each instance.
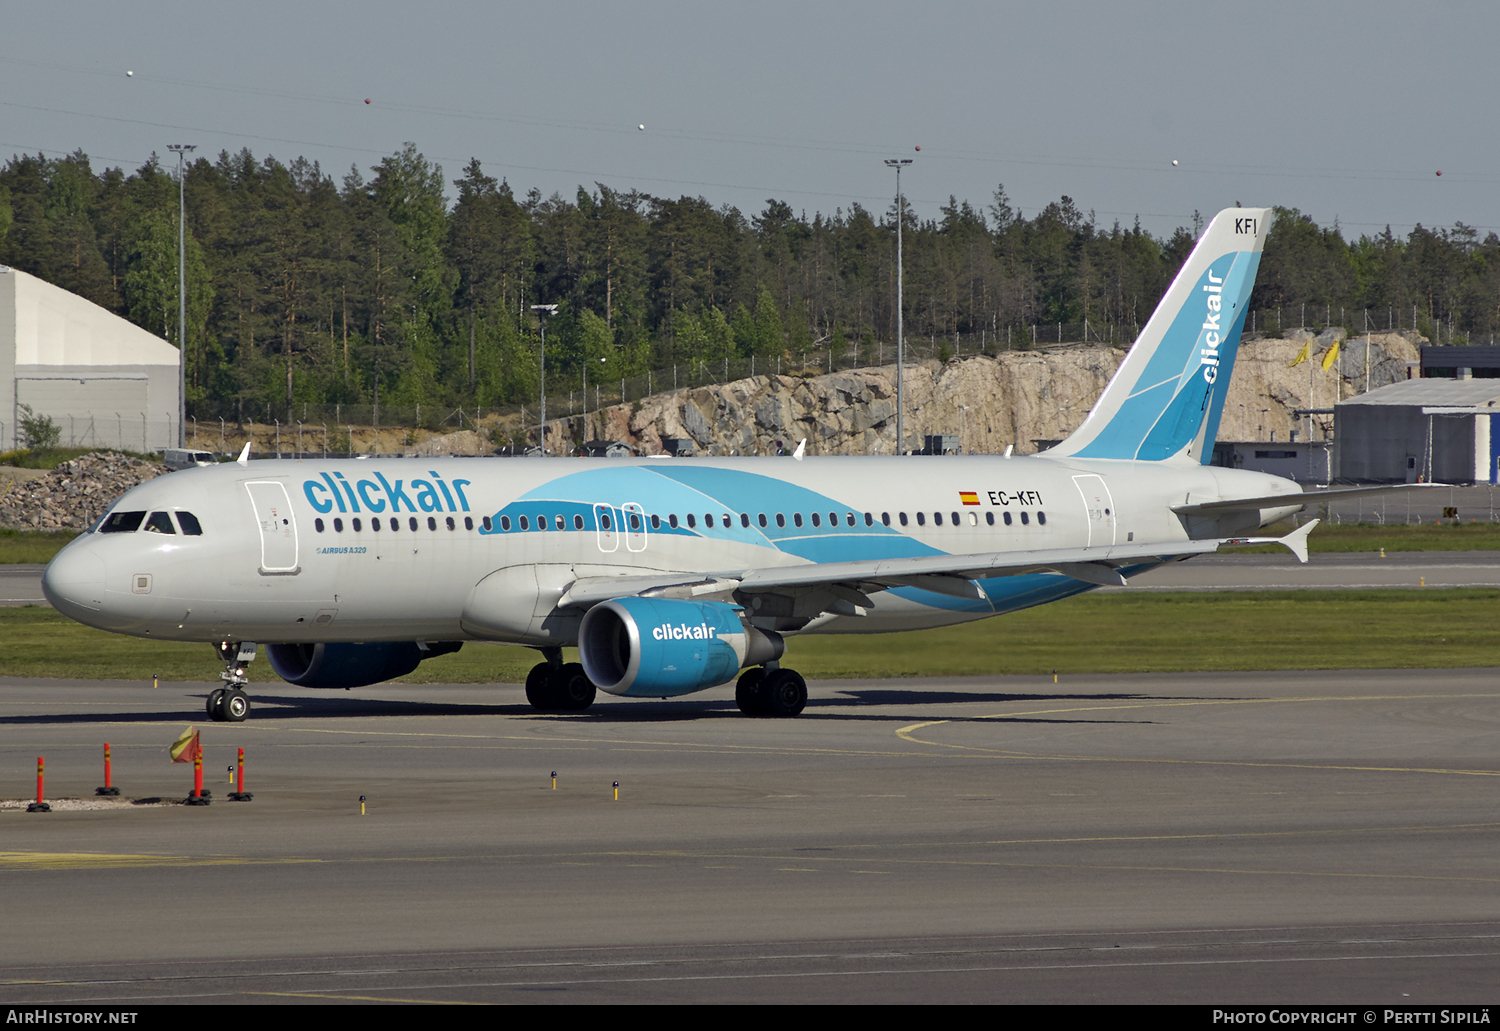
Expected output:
(102, 380)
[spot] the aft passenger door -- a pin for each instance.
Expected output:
(278, 527)
(1100, 509)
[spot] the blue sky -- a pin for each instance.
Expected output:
(1345, 111)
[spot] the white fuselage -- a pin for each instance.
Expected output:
(272, 565)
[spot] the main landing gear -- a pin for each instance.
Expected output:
(556, 686)
(764, 691)
(230, 704)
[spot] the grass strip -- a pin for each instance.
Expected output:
(1230, 630)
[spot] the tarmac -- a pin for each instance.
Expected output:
(1221, 838)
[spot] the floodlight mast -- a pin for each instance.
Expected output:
(544, 310)
(897, 164)
(181, 149)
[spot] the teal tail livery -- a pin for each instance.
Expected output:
(1164, 403)
(676, 575)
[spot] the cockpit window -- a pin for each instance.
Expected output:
(190, 524)
(160, 522)
(122, 522)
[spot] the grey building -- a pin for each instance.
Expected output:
(102, 380)
(1303, 461)
(1420, 431)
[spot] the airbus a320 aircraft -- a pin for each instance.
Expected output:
(671, 575)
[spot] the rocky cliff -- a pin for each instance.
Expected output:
(1017, 398)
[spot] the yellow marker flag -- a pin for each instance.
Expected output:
(1302, 355)
(187, 747)
(1331, 356)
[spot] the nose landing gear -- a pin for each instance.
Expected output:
(230, 704)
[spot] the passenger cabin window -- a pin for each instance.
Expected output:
(816, 520)
(357, 526)
(921, 519)
(1007, 519)
(797, 518)
(1025, 519)
(122, 522)
(1041, 517)
(903, 518)
(193, 528)
(762, 519)
(160, 522)
(656, 522)
(338, 526)
(578, 522)
(318, 525)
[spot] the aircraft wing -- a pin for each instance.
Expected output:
(1288, 500)
(953, 575)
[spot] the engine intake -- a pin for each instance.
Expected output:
(655, 647)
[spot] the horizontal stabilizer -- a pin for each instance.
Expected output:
(1304, 498)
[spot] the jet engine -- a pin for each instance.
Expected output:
(657, 647)
(351, 665)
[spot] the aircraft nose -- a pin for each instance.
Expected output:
(74, 582)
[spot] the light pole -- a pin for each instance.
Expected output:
(543, 310)
(181, 150)
(898, 164)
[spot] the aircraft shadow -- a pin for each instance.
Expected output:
(842, 706)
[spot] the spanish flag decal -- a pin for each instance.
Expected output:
(968, 497)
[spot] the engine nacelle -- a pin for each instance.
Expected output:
(658, 647)
(351, 665)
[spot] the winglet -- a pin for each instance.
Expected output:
(801, 449)
(244, 458)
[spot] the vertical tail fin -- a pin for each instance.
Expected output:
(1165, 401)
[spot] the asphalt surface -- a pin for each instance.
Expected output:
(1328, 571)
(1283, 838)
(21, 584)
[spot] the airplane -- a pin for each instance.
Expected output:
(674, 575)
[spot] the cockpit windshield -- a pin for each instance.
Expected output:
(160, 522)
(122, 522)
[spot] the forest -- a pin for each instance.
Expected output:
(382, 290)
